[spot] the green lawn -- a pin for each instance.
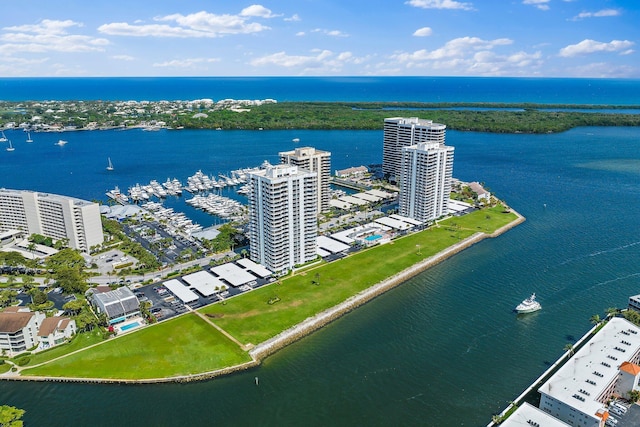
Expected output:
(251, 319)
(79, 341)
(181, 346)
(188, 345)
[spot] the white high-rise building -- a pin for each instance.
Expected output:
(51, 215)
(425, 181)
(402, 132)
(317, 161)
(283, 216)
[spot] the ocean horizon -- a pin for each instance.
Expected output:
(583, 91)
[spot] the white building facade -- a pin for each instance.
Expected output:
(318, 161)
(283, 217)
(402, 132)
(425, 181)
(51, 215)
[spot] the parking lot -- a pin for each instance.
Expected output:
(630, 419)
(165, 305)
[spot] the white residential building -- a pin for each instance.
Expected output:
(402, 132)
(425, 181)
(51, 215)
(55, 330)
(606, 365)
(19, 329)
(318, 161)
(283, 217)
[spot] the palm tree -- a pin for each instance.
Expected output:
(595, 319)
(569, 347)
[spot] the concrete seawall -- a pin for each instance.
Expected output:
(304, 328)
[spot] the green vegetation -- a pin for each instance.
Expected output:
(181, 346)
(78, 342)
(189, 345)
(481, 117)
(251, 319)
(11, 416)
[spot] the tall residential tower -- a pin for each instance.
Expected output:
(402, 132)
(283, 216)
(317, 161)
(425, 181)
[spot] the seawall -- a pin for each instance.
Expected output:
(304, 328)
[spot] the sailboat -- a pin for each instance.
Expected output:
(110, 165)
(3, 138)
(10, 147)
(29, 137)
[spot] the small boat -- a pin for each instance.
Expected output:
(529, 305)
(296, 139)
(3, 138)
(61, 142)
(29, 137)
(109, 165)
(10, 147)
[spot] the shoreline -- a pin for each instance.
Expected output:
(266, 348)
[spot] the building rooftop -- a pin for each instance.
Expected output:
(581, 381)
(529, 416)
(14, 322)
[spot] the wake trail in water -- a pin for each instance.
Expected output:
(603, 252)
(563, 301)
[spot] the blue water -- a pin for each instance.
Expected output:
(418, 89)
(373, 237)
(443, 349)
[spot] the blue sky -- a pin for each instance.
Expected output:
(529, 38)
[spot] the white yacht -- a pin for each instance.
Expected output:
(61, 142)
(109, 165)
(3, 138)
(529, 305)
(29, 137)
(10, 147)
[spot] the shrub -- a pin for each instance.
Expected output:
(22, 361)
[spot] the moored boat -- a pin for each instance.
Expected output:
(529, 305)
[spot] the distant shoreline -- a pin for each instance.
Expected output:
(304, 328)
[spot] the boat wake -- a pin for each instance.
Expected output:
(597, 253)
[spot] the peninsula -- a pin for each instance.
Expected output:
(268, 114)
(239, 332)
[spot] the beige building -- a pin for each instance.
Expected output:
(318, 161)
(51, 215)
(19, 329)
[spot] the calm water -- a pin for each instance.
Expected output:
(418, 89)
(443, 349)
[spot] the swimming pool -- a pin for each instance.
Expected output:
(373, 237)
(129, 326)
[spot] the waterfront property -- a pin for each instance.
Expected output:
(52, 215)
(118, 305)
(54, 331)
(402, 132)
(425, 181)
(282, 217)
(318, 161)
(607, 366)
(19, 329)
(528, 415)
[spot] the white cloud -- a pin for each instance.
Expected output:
(301, 33)
(599, 14)
(123, 57)
(48, 36)
(257, 11)
(194, 25)
(422, 32)
(471, 56)
(440, 4)
(185, 63)
(603, 70)
(332, 33)
(294, 18)
(318, 60)
(588, 46)
(540, 4)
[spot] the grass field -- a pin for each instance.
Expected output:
(79, 341)
(188, 345)
(251, 319)
(181, 346)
